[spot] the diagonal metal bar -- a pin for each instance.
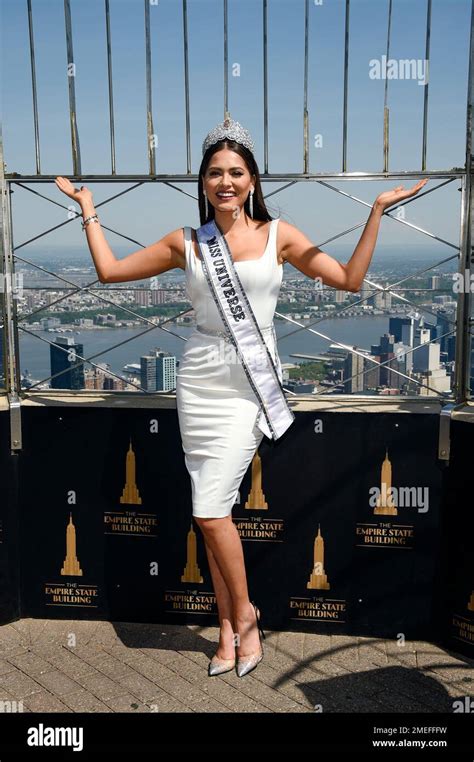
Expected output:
(180, 190)
(278, 190)
(425, 270)
(364, 222)
(77, 215)
(386, 213)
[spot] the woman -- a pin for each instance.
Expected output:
(218, 409)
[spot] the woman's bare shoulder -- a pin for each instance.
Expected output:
(176, 240)
(194, 244)
(285, 232)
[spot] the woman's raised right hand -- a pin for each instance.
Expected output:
(81, 195)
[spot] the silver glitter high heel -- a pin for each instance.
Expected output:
(219, 666)
(246, 664)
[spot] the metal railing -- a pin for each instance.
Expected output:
(14, 323)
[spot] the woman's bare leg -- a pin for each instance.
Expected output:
(226, 648)
(223, 539)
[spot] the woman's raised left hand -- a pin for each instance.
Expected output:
(393, 197)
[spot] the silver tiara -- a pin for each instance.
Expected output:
(230, 129)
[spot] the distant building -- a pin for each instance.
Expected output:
(300, 387)
(64, 356)
(142, 298)
(158, 371)
(51, 322)
(353, 374)
(99, 378)
(403, 329)
(107, 319)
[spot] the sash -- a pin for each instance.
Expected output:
(237, 315)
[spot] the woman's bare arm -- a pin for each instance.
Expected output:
(298, 250)
(161, 256)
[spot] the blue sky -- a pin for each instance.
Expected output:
(148, 213)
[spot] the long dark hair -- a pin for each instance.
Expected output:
(260, 211)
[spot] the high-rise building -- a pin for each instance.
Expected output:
(158, 371)
(142, 298)
(426, 355)
(438, 381)
(383, 300)
(391, 355)
(372, 374)
(451, 348)
(157, 296)
(366, 294)
(64, 356)
(403, 329)
(444, 325)
(353, 374)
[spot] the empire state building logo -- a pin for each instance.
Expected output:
(130, 495)
(71, 566)
(256, 499)
(318, 579)
(385, 505)
(192, 572)
(470, 605)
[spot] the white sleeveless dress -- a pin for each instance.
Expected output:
(217, 408)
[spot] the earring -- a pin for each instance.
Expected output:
(251, 203)
(206, 208)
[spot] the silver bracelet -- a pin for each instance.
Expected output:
(88, 220)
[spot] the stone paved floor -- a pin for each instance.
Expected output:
(87, 666)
